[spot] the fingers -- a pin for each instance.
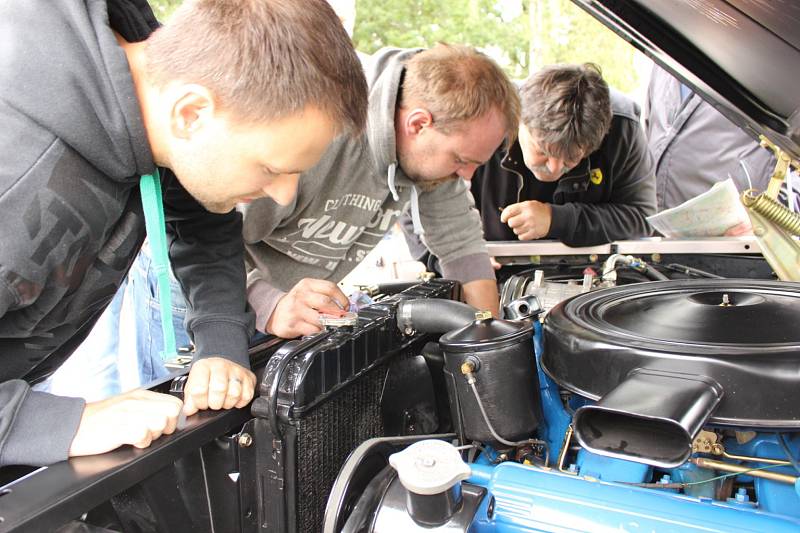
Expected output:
(216, 383)
(528, 234)
(233, 393)
(297, 313)
(528, 220)
(195, 392)
(137, 418)
(321, 302)
(311, 286)
(510, 211)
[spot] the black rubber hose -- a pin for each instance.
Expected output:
(433, 315)
(654, 274)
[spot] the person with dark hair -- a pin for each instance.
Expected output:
(580, 171)
(228, 102)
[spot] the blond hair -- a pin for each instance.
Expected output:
(456, 83)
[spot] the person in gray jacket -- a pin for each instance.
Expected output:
(93, 97)
(695, 146)
(434, 117)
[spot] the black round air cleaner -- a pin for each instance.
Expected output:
(665, 358)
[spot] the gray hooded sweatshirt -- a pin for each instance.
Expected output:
(72, 149)
(350, 199)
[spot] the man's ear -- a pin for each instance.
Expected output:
(193, 107)
(417, 120)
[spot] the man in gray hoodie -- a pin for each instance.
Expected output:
(434, 117)
(91, 99)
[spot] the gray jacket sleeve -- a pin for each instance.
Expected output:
(453, 232)
(36, 428)
(632, 198)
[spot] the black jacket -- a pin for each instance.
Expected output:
(73, 147)
(606, 197)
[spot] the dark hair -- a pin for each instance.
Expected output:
(457, 83)
(567, 109)
(263, 59)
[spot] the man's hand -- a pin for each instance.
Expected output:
(137, 417)
(529, 220)
(297, 313)
(216, 383)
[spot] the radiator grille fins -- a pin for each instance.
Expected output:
(325, 438)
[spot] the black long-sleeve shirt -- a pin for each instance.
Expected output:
(606, 197)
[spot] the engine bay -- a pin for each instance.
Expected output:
(616, 395)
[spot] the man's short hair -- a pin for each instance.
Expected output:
(457, 83)
(567, 109)
(263, 59)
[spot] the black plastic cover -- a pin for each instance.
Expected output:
(486, 334)
(652, 417)
(743, 334)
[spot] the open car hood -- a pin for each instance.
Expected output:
(742, 56)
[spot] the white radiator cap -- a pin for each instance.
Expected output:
(429, 467)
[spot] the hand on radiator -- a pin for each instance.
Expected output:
(297, 313)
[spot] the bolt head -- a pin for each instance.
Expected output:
(245, 440)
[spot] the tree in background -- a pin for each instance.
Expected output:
(521, 35)
(500, 31)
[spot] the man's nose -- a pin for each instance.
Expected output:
(555, 166)
(283, 189)
(467, 171)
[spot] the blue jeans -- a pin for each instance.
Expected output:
(92, 371)
(149, 336)
(124, 348)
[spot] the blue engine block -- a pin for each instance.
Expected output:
(598, 493)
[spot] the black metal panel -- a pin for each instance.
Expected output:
(408, 401)
(66, 490)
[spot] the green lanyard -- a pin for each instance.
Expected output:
(150, 187)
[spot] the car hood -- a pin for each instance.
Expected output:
(742, 56)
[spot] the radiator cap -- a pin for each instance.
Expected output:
(429, 467)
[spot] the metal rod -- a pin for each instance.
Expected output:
(727, 455)
(564, 448)
(727, 467)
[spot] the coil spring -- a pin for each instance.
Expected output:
(772, 210)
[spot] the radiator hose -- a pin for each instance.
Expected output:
(433, 315)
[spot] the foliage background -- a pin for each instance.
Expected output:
(521, 35)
